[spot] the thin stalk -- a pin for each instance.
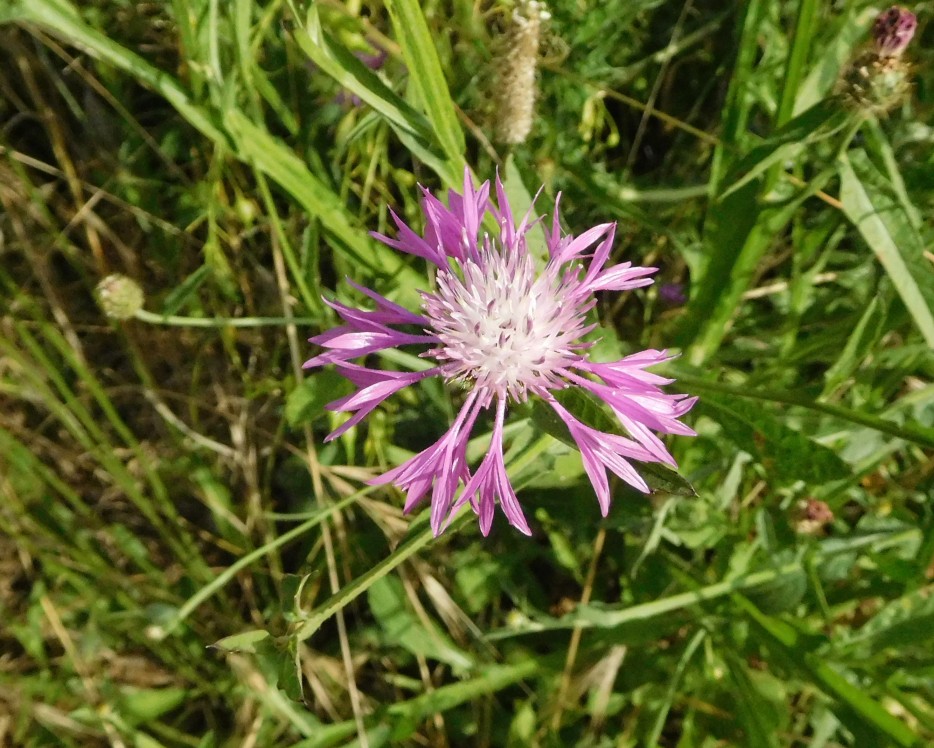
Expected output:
(172, 320)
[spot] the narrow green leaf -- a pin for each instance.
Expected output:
(859, 344)
(425, 71)
(255, 145)
(401, 627)
(907, 622)
(616, 617)
(836, 50)
(738, 238)
(410, 125)
(420, 535)
(757, 716)
(887, 229)
(809, 127)
(662, 715)
(216, 584)
(796, 61)
(916, 433)
(783, 637)
(61, 19)
(306, 402)
(246, 641)
(401, 720)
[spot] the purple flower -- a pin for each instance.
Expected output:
(893, 30)
(672, 294)
(503, 331)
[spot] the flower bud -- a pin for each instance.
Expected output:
(119, 297)
(880, 78)
(893, 30)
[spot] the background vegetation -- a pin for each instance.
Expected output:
(184, 563)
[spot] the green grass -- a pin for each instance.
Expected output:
(185, 562)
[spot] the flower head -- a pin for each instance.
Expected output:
(504, 331)
(119, 296)
(880, 78)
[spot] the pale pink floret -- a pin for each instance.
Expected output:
(505, 332)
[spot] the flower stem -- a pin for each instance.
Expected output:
(214, 322)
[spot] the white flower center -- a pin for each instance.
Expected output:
(501, 326)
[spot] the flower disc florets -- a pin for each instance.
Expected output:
(502, 327)
(504, 331)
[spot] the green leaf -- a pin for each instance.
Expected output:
(400, 720)
(794, 647)
(246, 641)
(886, 226)
(801, 133)
(859, 344)
(781, 593)
(664, 480)
(759, 717)
(425, 71)
(255, 145)
(140, 706)
(907, 622)
(419, 536)
(62, 19)
(410, 125)
(306, 402)
(581, 404)
(619, 616)
(848, 29)
(911, 432)
(179, 295)
(401, 627)
(788, 454)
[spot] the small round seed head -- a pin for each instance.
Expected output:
(119, 297)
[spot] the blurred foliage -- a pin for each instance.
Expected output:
(185, 562)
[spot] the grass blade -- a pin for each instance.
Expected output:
(425, 70)
(887, 228)
(783, 637)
